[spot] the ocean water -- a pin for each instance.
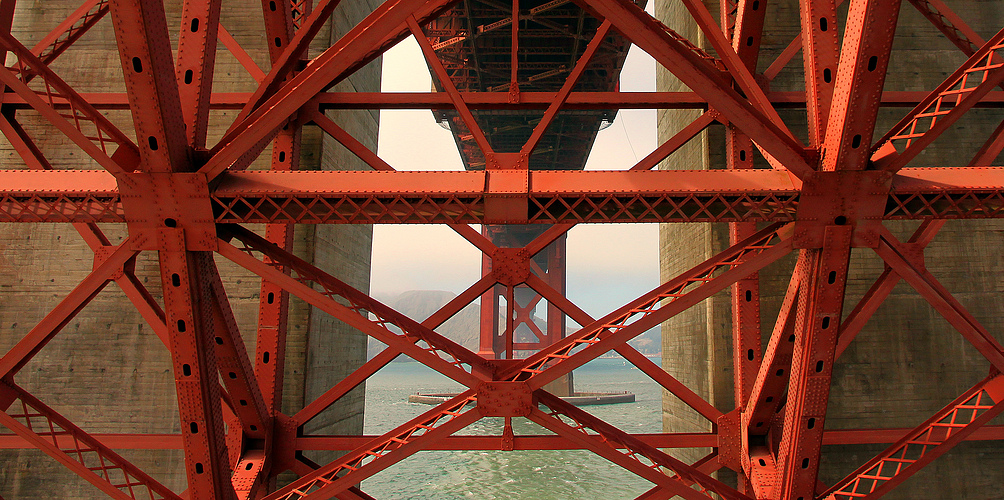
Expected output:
(536, 475)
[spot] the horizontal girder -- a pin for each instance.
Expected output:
(497, 100)
(350, 197)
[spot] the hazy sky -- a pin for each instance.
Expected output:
(608, 264)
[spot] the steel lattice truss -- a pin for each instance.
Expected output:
(185, 200)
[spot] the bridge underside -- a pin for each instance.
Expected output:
(192, 203)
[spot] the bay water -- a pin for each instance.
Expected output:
(530, 475)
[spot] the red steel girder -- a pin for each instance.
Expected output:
(394, 446)
(235, 368)
(79, 451)
(148, 67)
(922, 445)
(860, 76)
(190, 324)
(521, 442)
(945, 104)
(631, 320)
(767, 393)
(820, 50)
(817, 322)
(200, 22)
(496, 100)
(458, 197)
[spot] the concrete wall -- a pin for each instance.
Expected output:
(107, 371)
(907, 363)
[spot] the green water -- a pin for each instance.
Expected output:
(565, 474)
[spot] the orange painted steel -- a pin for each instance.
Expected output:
(189, 200)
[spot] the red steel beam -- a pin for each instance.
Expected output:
(774, 371)
(831, 437)
(935, 293)
(816, 326)
(200, 22)
(748, 31)
(983, 71)
(922, 445)
(860, 76)
(77, 450)
(457, 197)
(148, 67)
(746, 336)
(820, 50)
(493, 100)
(195, 368)
(235, 368)
(392, 447)
(704, 79)
(273, 300)
(59, 316)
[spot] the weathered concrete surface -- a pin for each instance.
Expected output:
(107, 371)
(907, 363)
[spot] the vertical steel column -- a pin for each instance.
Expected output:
(148, 67)
(488, 346)
(200, 21)
(190, 325)
(820, 41)
(555, 277)
(817, 324)
(273, 301)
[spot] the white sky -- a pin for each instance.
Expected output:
(608, 264)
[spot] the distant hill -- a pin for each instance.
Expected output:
(463, 327)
